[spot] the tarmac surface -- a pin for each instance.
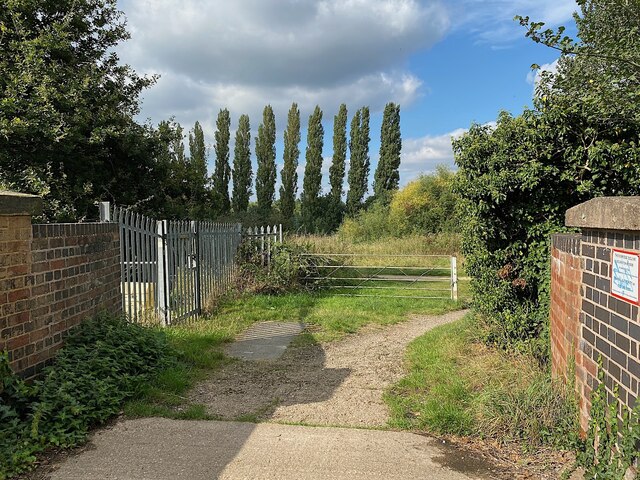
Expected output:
(159, 449)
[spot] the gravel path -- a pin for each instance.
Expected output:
(338, 384)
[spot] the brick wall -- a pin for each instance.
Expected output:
(588, 324)
(51, 278)
(610, 326)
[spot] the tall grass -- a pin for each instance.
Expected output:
(457, 385)
(436, 244)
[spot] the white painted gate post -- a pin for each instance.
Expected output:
(162, 282)
(454, 278)
(105, 212)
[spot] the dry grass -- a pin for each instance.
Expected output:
(427, 251)
(440, 244)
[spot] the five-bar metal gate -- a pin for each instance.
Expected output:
(384, 276)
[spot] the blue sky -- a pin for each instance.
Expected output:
(447, 62)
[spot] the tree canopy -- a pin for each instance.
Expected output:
(387, 175)
(222, 172)
(518, 178)
(57, 71)
(312, 171)
(289, 173)
(266, 155)
(242, 174)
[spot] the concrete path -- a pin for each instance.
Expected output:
(264, 341)
(159, 449)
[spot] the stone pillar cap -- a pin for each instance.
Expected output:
(15, 203)
(606, 213)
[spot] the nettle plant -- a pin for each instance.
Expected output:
(610, 447)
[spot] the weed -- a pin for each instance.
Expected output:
(457, 385)
(104, 362)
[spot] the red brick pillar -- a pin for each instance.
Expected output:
(15, 274)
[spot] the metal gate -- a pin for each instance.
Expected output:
(170, 269)
(384, 276)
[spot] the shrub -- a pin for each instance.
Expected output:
(104, 362)
(284, 269)
(426, 205)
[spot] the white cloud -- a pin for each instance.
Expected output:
(424, 154)
(534, 76)
(243, 54)
(492, 21)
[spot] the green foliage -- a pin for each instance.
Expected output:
(456, 385)
(312, 172)
(610, 447)
(359, 161)
(242, 175)
(427, 205)
(518, 179)
(600, 71)
(266, 155)
(279, 271)
(198, 179)
(104, 362)
(387, 175)
(337, 168)
(67, 108)
(185, 192)
(368, 225)
(289, 173)
(222, 172)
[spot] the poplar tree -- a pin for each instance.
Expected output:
(197, 177)
(266, 156)
(313, 170)
(242, 174)
(336, 171)
(222, 172)
(359, 161)
(387, 176)
(289, 175)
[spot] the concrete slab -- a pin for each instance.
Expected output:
(264, 341)
(159, 449)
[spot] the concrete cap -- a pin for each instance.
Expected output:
(606, 213)
(14, 203)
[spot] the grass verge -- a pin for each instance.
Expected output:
(198, 348)
(456, 385)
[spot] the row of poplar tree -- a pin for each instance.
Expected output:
(228, 191)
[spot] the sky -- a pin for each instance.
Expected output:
(448, 63)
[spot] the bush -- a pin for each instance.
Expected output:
(104, 362)
(426, 206)
(284, 269)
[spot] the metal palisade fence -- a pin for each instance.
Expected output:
(169, 268)
(264, 240)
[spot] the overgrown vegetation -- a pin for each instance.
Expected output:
(611, 444)
(518, 178)
(282, 269)
(457, 385)
(425, 206)
(104, 362)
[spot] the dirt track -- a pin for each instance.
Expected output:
(339, 383)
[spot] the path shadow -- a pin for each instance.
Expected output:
(244, 391)
(253, 387)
